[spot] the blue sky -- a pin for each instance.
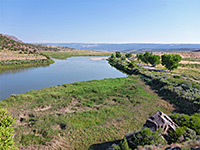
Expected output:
(102, 21)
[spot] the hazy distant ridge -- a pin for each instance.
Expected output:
(131, 46)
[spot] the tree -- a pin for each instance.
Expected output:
(171, 61)
(6, 130)
(144, 57)
(128, 55)
(118, 54)
(112, 56)
(139, 57)
(154, 60)
(123, 58)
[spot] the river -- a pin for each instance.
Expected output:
(74, 69)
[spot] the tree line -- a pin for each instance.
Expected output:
(170, 61)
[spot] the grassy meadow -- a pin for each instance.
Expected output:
(64, 55)
(78, 115)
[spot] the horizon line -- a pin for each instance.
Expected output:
(106, 43)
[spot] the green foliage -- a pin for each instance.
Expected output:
(124, 145)
(175, 135)
(154, 59)
(128, 55)
(190, 65)
(118, 54)
(123, 58)
(189, 134)
(45, 55)
(147, 137)
(144, 57)
(112, 56)
(6, 130)
(171, 61)
(149, 58)
(192, 122)
(178, 90)
(139, 57)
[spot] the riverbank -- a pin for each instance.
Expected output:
(99, 58)
(78, 115)
(73, 69)
(17, 64)
(65, 54)
(178, 89)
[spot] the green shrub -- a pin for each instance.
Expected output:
(175, 135)
(154, 60)
(147, 137)
(124, 145)
(6, 131)
(118, 54)
(192, 122)
(189, 134)
(128, 55)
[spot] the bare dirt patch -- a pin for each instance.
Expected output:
(190, 54)
(99, 58)
(42, 108)
(15, 55)
(69, 109)
(189, 62)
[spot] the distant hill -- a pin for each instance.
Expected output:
(8, 42)
(12, 38)
(130, 46)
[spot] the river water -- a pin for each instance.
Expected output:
(74, 69)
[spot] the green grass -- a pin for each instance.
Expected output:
(75, 116)
(186, 70)
(64, 55)
(191, 59)
(24, 64)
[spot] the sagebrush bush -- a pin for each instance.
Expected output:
(147, 137)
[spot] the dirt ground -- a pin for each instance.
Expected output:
(15, 55)
(190, 54)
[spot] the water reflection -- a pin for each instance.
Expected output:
(20, 69)
(73, 69)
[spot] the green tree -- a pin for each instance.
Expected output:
(123, 58)
(145, 57)
(139, 57)
(128, 55)
(112, 56)
(118, 54)
(171, 61)
(6, 131)
(154, 60)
